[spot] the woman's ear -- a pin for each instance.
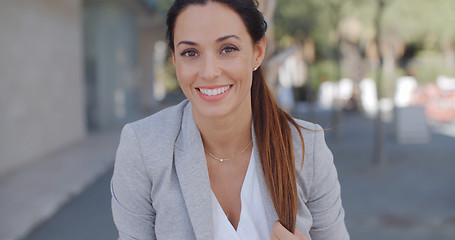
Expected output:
(259, 52)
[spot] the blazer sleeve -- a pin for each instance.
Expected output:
(132, 209)
(324, 200)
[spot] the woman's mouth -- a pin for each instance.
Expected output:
(214, 91)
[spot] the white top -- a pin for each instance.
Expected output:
(253, 219)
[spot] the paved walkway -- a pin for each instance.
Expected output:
(34, 193)
(409, 196)
(86, 217)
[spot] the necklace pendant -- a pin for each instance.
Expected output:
(221, 160)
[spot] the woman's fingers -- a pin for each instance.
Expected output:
(300, 235)
(281, 233)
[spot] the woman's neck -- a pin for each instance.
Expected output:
(225, 136)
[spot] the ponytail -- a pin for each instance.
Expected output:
(274, 141)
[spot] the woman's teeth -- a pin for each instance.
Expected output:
(215, 91)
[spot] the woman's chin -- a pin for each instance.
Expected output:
(205, 111)
(212, 113)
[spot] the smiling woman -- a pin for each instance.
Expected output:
(227, 163)
(212, 56)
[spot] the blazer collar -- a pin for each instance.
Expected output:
(192, 172)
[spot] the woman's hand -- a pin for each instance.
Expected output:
(281, 233)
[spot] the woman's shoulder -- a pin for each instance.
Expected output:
(316, 155)
(308, 126)
(156, 131)
(162, 123)
(309, 131)
(313, 139)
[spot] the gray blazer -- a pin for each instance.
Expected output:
(161, 189)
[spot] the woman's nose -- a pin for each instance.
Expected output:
(210, 68)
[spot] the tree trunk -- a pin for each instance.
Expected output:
(336, 110)
(449, 56)
(378, 152)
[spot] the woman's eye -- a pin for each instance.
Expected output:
(189, 53)
(229, 49)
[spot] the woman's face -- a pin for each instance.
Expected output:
(214, 57)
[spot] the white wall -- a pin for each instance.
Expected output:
(41, 79)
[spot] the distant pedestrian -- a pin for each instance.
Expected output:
(227, 163)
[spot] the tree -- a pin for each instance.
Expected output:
(379, 132)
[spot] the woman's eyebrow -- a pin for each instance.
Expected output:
(218, 40)
(226, 37)
(187, 42)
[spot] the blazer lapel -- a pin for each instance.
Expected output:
(192, 172)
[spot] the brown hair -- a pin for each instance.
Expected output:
(271, 123)
(274, 141)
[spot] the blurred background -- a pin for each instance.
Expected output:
(378, 75)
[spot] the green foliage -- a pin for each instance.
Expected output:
(295, 19)
(322, 71)
(414, 20)
(427, 66)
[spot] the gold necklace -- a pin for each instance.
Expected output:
(226, 159)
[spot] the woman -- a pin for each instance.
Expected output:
(222, 164)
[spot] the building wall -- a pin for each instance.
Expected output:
(41, 79)
(152, 32)
(111, 60)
